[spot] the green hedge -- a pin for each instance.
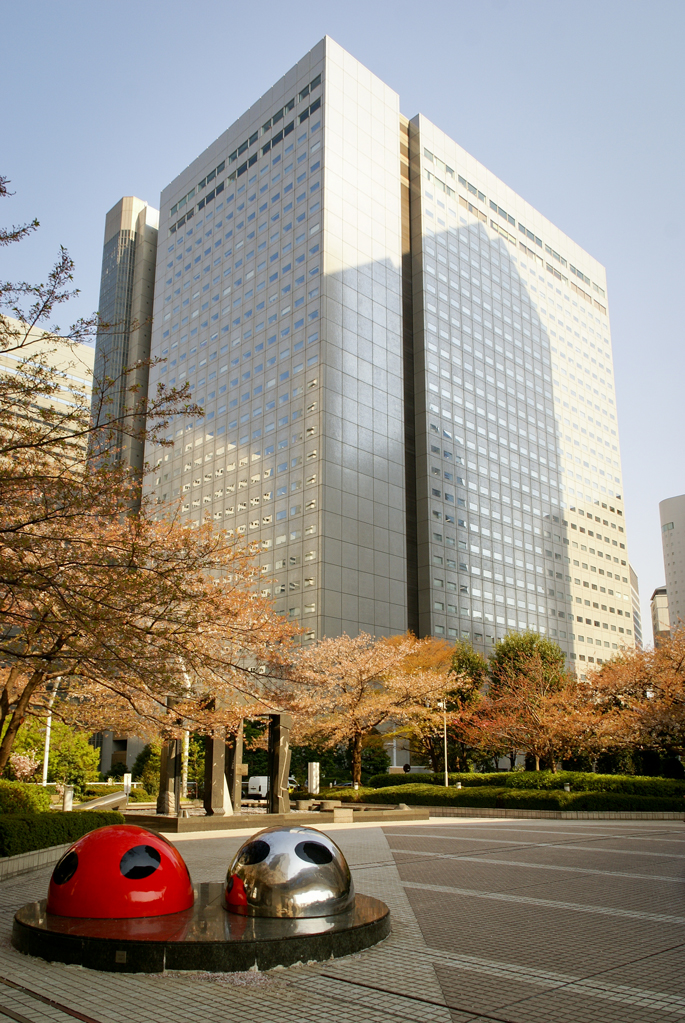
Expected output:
(583, 781)
(580, 781)
(23, 797)
(506, 797)
(420, 778)
(418, 795)
(25, 832)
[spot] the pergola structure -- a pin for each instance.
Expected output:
(225, 770)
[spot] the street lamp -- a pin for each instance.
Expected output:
(48, 727)
(443, 705)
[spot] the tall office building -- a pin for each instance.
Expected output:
(406, 371)
(672, 515)
(126, 293)
(661, 627)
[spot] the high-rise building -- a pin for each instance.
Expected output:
(406, 371)
(126, 293)
(635, 603)
(661, 627)
(672, 515)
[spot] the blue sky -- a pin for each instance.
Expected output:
(578, 107)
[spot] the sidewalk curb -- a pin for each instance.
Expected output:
(578, 815)
(24, 863)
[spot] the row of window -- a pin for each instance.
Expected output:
(473, 190)
(242, 169)
(261, 246)
(428, 250)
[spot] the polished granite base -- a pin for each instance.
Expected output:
(205, 937)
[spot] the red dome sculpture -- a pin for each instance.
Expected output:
(119, 872)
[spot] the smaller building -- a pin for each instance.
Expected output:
(635, 600)
(116, 750)
(73, 363)
(661, 629)
(672, 515)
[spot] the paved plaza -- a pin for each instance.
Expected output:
(514, 921)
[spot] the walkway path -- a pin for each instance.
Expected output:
(511, 921)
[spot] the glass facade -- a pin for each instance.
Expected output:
(125, 309)
(516, 434)
(116, 293)
(406, 376)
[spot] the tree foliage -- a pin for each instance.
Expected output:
(520, 652)
(71, 760)
(352, 686)
(135, 614)
(646, 690)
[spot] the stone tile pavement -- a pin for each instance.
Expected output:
(512, 921)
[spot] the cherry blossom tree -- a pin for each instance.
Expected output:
(350, 686)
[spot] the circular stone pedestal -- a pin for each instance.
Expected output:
(205, 937)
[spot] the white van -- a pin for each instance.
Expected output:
(258, 786)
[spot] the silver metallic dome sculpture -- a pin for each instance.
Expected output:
(288, 872)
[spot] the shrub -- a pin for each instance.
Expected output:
(25, 832)
(23, 797)
(420, 778)
(420, 795)
(553, 799)
(508, 797)
(625, 801)
(146, 767)
(580, 781)
(140, 796)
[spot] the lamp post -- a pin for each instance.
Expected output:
(48, 728)
(443, 705)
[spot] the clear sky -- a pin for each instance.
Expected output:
(577, 106)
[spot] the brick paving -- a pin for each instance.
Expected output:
(531, 922)
(494, 921)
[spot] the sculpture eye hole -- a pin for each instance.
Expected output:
(314, 852)
(255, 852)
(139, 862)
(66, 868)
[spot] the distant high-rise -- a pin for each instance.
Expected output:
(127, 286)
(672, 515)
(635, 601)
(661, 627)
(406, 371)
(126, 295)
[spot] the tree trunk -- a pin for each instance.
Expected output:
(5, 706)
(435, 756)
(537, 762)
(357, 759)
(17, 718)
(512, 759)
